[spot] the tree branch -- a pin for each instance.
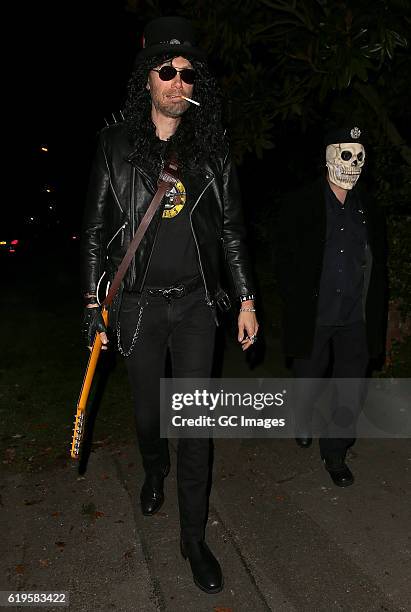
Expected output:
(370, 95)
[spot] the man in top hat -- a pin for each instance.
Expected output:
(331, 269)
(167, 303)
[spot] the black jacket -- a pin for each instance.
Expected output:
(120, 191)
(299, 247)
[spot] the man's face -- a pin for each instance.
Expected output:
(166, 95)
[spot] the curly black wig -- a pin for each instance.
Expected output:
(200, 134)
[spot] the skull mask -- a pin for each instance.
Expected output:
(345, 161)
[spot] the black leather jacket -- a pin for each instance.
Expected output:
(120, 191)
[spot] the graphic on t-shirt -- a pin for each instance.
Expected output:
(176, 198)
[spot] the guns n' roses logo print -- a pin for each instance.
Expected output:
(175, 200)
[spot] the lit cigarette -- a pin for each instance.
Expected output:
(190, 100)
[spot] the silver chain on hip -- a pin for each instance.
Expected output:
(135, 336)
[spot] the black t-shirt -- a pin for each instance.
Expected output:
(174, 258)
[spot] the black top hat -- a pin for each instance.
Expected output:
(345, 134)
(174, 35)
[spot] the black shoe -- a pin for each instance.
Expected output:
(152, 492)
(206, 569)
(304, 442)
(340, 473)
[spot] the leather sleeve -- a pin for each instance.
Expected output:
(93, 245)
(234, 233)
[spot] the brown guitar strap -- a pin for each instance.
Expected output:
(167, 178)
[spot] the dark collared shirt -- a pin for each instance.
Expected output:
(342, 277)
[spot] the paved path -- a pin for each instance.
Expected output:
(288, 539)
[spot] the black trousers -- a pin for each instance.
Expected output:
(186, 328)
(348, 344)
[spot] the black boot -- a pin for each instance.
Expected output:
(340, 473)
(206, 569)
(304, 442)
(152, 492)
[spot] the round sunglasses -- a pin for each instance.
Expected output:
(167, 73)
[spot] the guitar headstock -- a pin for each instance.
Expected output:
(78, 433)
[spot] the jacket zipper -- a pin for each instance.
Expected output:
(115, 197)
(116, 234)
(152, 250)
(209, 302)
(132, 263)
(156, 234)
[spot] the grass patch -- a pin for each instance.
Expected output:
(41, 373)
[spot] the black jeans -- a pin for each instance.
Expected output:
(186, 328)
(349, 346)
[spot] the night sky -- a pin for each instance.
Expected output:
(72, 63)
(75, 64)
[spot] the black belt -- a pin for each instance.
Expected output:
(175, 291)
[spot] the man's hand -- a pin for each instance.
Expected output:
(92, 323)
(247, 325)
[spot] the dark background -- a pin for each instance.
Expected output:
(74, 72)
(68, 66)
(74, 64)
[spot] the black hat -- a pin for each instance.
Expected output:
(174, 35)
(346, 134)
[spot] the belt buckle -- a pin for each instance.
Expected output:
(173, 292)
(179, 291)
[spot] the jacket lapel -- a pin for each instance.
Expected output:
(144, 170)
(195, 184)
(194, 180)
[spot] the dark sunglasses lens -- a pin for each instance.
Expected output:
(188, 75)
(167, 73)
